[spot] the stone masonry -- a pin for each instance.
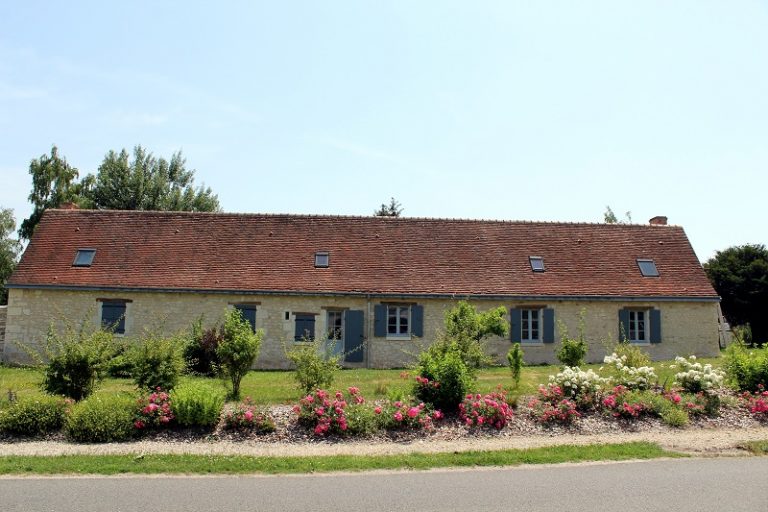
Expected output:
(687, 327)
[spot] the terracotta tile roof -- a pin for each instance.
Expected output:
(377, 255)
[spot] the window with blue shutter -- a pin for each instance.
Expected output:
(248, 312)
(655, 319)
(113, 315)
(305, 327)
(549, 325)
(398, 320)
(515, 317)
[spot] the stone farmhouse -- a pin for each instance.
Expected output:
(379, 285)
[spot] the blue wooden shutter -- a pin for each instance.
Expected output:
(354, 337)
(305, 327)
(248, 313)
(515, 319)
(549, 325)
(113, 316)
(655, 326)
(623, 325)
(417, 320)
(380, 320)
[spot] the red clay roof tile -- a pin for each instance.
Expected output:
(377, 255)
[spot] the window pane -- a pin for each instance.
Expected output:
(648, 268)
(84, 257)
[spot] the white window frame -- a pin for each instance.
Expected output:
(331, 329)
(398, 316)
(526, 318)
(634, 329)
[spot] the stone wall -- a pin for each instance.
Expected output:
(3, 314)
(687, 327)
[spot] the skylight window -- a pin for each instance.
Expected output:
(84, 257)
(648, 268)
(537, 263)
(322, 259)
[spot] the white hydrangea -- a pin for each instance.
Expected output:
(631, 377)
(696, 377)
(575, 382)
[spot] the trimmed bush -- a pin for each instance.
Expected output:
(33, 416)
(77, 361)
(515, 360)
(102, 418)
(316, 364)
(157, 362)
(746, 368)
(196, 404)
(444, 378)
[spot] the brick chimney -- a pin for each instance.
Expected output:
(68, 206)
(659, 220)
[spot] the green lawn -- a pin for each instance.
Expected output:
(278, 387)
(218, 464)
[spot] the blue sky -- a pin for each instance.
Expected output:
(504, 110)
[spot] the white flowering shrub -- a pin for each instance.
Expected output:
(578, 384)
(631, 377)
(696, 377)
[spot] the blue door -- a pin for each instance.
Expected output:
(354, 347)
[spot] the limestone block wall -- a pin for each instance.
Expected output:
(3, 314)
(687, 327)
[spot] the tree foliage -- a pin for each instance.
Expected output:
(740, 276)
(9, 250)
(145, 182)
(139, 181)
(466, 328)
(610, 218)
(54, 182)
(393, 209)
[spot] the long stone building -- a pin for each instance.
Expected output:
(379, 285)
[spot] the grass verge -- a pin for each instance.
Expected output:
(755, 447)
(203, 464)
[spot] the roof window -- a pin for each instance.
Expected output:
(84, 257)
(322, 259)
(537, 263)
(648, 268)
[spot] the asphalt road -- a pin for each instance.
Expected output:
(727, 484)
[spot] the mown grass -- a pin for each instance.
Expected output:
(205, 464)
(755, 447)
(279, 387)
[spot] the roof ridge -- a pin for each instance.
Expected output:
(356, 217)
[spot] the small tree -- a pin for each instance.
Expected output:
(316, 364)
(9, 250)
(467, 328)
(157, 362)
(393, 209)
(238, 349)
(515, 360)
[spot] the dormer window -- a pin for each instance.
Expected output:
(84, 257)
(537, 263)
(648, 268)
(322, 259)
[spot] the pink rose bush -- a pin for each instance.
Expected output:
(551, 406)
(491, 410)
(349, 414)
(620, 405)
(247, 416)
(154, 411)
(757, 402)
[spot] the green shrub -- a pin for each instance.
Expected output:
(746, 368)
(102, 418)
(674, 417)
(316, 364)
(196, 404)
(515, 359)
(200, 349)
(361, 419)
(157, 362)
(631, 355)
(77, 361)
(572, 351)
(468, 328)
(238, 349)
(33, 416)
(444, 378)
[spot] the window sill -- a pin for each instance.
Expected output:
(531, 343)
(398, 338)
(640, 343)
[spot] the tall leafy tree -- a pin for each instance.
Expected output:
(145, 182)
(393, 209)
(9, 250)
(54, 182)
(740, 276)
